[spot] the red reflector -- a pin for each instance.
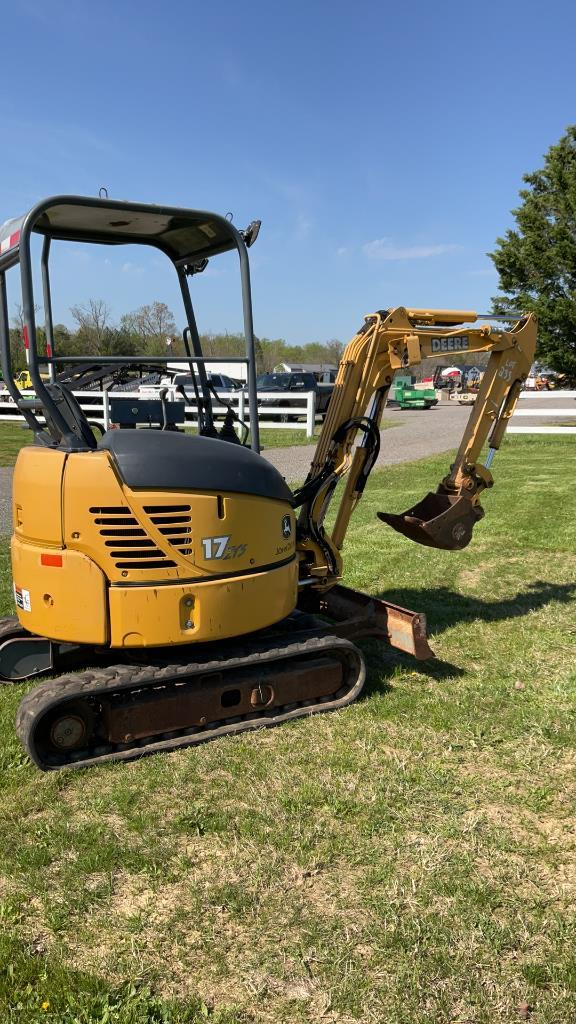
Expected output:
(48, 349)
(9, 242)
(26, 340)
(51, 560)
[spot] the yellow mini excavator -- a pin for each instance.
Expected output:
(172, 588)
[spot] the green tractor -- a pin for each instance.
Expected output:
(410, 397)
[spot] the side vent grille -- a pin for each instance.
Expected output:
(174, 523)
(129, 545)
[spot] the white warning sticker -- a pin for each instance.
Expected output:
(22, 599)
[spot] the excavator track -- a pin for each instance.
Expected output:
(127, 711)
(10, 629)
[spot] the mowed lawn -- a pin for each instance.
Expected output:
(13, 437)
(408, 860)
(285, 437)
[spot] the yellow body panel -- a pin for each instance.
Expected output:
(37, 495)
(99, 511)
(187, 613)
(64, 602)
(132, 559)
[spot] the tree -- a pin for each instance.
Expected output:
(118, 342)
(270, 353)
(334, 350)
(93, 321)
(17, 352)
(536, 261)
(223, 344)
(154, 324)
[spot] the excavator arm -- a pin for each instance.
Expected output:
(390, 341)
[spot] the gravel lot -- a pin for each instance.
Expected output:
(419, 433)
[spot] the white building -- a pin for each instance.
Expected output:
(239, 371)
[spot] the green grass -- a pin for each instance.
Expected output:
(13, 437)
(408, 860)
(275, 437)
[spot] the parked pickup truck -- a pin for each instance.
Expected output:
(219, 381)
(289, 385)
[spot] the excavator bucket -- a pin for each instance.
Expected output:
(439, 521)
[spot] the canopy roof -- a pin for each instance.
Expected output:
(182, 234)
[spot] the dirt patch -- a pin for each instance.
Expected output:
(33, 927)
(527, 824)
(195, 939)
(6, 887)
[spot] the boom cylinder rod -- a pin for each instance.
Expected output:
(500, 316)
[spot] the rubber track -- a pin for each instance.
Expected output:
(119, 678)
(11, 625)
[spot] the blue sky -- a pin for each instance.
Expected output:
(382, 145)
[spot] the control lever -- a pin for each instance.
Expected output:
(162, 396)
(205, 431)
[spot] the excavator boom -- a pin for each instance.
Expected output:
(395, 340)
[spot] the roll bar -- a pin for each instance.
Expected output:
(187, 237)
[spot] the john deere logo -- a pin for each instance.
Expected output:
(286, 526)
(450, 344)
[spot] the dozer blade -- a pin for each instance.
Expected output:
(354, 614)
(438, 521)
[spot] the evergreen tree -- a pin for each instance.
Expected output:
(536, 260)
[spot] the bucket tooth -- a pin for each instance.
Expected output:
(439, 521)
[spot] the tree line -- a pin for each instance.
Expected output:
(151, 331)
(535, 260)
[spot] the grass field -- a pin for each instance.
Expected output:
(13, 437)
(408, 860)
(274, 437)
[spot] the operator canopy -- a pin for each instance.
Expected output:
(182, 234)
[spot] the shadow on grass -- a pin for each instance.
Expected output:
(445, 608)
(35, 987)
(382, 661)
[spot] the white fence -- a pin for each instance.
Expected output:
(297, 412)
(552, 412)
